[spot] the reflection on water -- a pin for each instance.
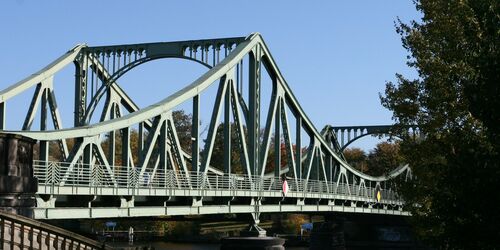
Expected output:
(178, 246)
(169, 245)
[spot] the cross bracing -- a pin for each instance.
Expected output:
(319, 173)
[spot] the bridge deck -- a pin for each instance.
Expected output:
(91, 181)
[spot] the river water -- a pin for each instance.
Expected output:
(159, 245)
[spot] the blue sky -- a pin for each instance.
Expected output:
(336, 56)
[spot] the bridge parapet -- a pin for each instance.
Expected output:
(19, 232)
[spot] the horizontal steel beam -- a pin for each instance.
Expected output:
(99, 212)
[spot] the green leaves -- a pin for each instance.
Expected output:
(454, 101)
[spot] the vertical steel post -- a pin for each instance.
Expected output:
(80, 88)
(254, 110)
(298, 146)
(43, 110)
(2, 115)
(163, 145)
(318, 163)
(342, 137)
(277, 141)
(125, 147)
(329, 167)
(227, 128)
(195, 135)
(140, 141)
(44, 145)
(87, 154)
(112, 149)
(315, 165)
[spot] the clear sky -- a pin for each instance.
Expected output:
(335, 55)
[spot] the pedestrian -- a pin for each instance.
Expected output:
(284, 186)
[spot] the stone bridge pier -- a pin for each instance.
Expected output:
(17, 183)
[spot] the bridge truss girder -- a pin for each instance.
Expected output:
(97, 72)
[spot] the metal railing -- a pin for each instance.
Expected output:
(94, 175)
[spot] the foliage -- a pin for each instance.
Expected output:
(271, 162)
(134, 143)
(357, 158)
(183, 123)
(181, 229)
(384, 158)
(217, 159)
(293, 223)
(455, 51)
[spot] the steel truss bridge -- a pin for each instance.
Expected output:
(160, 178)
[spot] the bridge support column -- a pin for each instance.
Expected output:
(301, 202)
(46, 201)
(17, 184)
(254, 237)
(197, 202)
(126, 201)
(254, 230)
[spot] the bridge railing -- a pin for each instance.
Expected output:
(94, 175)
(19, 232)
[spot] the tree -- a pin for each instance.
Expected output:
(270, 164)
(357, 158)
(384, 158)
(381, 160)
(217, 159)
(455, 51)
(183, 123)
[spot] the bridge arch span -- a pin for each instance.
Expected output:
(103, 89)
(359, 137)
(164, 170)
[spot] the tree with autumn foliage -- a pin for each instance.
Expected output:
(384, 158)
(381, 160)
(357, 158)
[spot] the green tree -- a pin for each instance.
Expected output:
(217, 159)
(183, 123)
(455, 51)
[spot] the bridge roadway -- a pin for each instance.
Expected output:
(308, 196)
